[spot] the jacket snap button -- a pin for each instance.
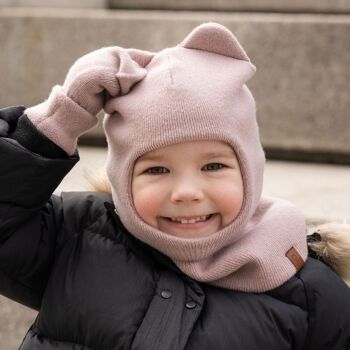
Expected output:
(190, 304)
(166, 294)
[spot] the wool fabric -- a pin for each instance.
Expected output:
(197, 91)
(71, 109)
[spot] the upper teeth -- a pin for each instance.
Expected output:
(191, 220)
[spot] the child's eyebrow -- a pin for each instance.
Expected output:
(151, 157)
(206, 155)
(220, 154)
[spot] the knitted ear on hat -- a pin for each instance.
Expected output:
(214, 37)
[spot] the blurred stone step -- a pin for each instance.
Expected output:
(322, 6)
(301, 86)
(297, 6)
(55, 3)
(15, 320)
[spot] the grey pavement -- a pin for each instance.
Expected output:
(321, 191)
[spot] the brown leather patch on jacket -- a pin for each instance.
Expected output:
(295, 258)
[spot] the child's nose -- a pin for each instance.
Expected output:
(187, 192)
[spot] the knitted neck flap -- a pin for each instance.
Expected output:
(196, 91)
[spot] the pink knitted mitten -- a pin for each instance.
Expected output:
(71, 109)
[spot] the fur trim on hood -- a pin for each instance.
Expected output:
(330, 242)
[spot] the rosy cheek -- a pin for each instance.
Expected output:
(147, 205)
(230, 203)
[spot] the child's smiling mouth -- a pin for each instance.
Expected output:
(191, 222)
(190, 219)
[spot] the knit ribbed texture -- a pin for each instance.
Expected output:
(196, 91)
(60, 119)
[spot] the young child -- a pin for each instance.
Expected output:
(185, 253)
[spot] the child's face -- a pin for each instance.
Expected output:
(188, 180)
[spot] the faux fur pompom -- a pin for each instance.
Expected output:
(330, 242)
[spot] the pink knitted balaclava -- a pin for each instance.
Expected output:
(196, 91)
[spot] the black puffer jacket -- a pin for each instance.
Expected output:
(97, 287)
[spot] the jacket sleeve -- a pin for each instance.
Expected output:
(328, 299)
(30, 215)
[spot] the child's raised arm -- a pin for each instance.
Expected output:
(37, 150)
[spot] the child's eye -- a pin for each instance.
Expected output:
(156, 170)
(213, 166)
